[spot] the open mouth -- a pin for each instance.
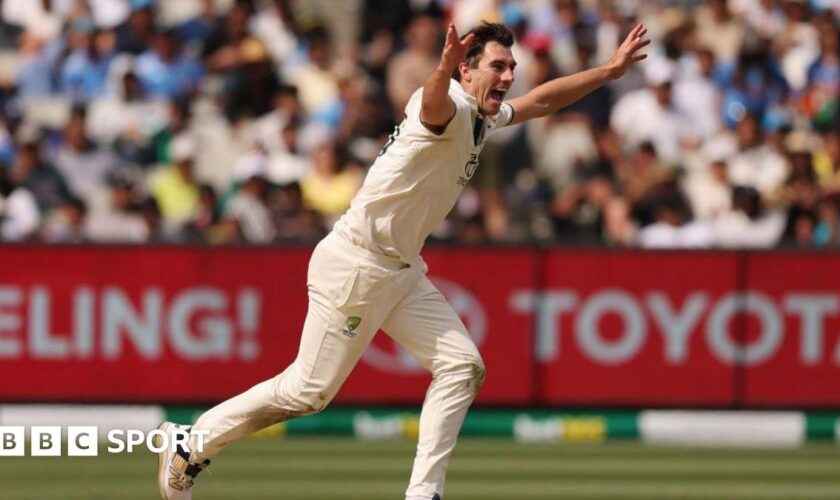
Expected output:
(498, 94)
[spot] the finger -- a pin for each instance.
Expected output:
(451, 35)
(639, 57)
(468, 40)
(634, 32)
(641, 33)
(639, 43)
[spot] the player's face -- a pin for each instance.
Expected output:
(491, 80)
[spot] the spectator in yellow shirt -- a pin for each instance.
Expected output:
(330, 185)
(174, 187)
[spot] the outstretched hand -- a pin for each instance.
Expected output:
(455, 49)
(628, 51)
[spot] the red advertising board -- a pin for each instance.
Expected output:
(146, 324)
(632, 328)
(178, 324)
(796, 309)
(555, 327)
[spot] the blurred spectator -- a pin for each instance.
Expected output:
(250, 82)
(330, 186)
(35, 76)
(39, 177)
(118, 219)
(19, 215)
(798, 43)
(174, 187)
(672, 226)
(697, 97)
(751, 85)
(157, 231)
(827, 230)
(165, 71)
(126, 119)
(84, 74)
(273, 24)
(66, 225)
(755, 164)
(821, 99)
(719, 29)
(649, 115)
(709, 191)
(765, 17)
(158, 148)
(83, 165)
(268, 130)
(195, 31)
(409, 68)
(293, 220)
(222, 46)
(135, 34)
(207, 216)
(827, 161)
(249, 210)
(748, 225)
(316, 82)
(37, 18)
(566, 24)
(287, 164)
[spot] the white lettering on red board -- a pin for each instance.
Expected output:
(677, 323)
(197, 324)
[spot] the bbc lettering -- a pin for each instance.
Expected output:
(45, 441)
(83, 441)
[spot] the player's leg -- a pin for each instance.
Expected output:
(426, 325)
(348, 300)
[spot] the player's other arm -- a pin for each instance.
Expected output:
(555, 94)
(437, 108)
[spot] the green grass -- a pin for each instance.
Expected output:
(341, 468)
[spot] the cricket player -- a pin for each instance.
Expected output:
(367, 274)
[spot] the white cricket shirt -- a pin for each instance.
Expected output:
(417, 178)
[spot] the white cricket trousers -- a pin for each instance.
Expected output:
(352, 294)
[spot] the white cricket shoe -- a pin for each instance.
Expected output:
(176, 473)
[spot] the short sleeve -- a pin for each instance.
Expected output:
(453, 128)
(505, 115)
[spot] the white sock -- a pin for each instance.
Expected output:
(418, 498)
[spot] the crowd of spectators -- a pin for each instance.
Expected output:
(254, 121)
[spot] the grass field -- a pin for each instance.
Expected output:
(342, 468)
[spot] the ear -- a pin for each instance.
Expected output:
(464, 69)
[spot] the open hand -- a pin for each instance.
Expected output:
(628, 51)
(455, 49)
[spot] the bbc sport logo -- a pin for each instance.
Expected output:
(83, 441)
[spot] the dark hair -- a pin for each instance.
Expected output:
(77, 204)
(487, 32)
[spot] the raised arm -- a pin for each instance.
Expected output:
(437, 108)
(555, 94)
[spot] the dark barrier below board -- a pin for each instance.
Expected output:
(556, 327)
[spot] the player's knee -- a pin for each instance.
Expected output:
(302, 398)
(307, 403)
(478, 372)
(470, 373)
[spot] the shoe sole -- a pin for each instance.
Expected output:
(158, 442)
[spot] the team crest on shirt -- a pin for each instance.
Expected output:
(353, 322)
(469, 169)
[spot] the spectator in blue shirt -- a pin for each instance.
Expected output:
(165, 72)
(84, 73)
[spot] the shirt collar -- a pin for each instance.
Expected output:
(456, 86)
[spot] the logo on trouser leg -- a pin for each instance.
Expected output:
(353, 322)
